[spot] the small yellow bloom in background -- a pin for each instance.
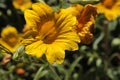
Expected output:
(86, 19)
(9, 38)
(22, 4)
(54, 33)
(110, 8)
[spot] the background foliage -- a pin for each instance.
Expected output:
(99, 60)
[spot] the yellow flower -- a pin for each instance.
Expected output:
(86, 23)
(86, 33)
(110, 8)
(85, 16)
(9, 38)
(22, 4)
(53, 31)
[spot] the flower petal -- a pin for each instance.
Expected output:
(55, 54)
(70, 36)
(31, 18)
(75, 9)
(88, 11)
(36, 49)
(42, 9)
(66, 44)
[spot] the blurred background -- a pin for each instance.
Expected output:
(99, 60)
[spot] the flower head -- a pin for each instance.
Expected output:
(85, 16)
(86, 24)
(110, 8)
(53, 32)
(9, 38)
(22, 4)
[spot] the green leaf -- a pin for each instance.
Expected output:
(72, 66)
(39, 72)
(110, 73)
(116, 42)
(19, 51)
(98, 62)
(97, 41)
(112, 25)
(90, 60)
(55, 75)
(84, 2)
(40, 0)
(15, 55)
(75, 76)
(43, 73)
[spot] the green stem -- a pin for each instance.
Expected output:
(61, 3)
(38, 73)
(56, 75)
(106, 45)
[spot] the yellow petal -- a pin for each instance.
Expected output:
(31, 18)
(70, 36)
(36, 49)
(69, 40)
(86, 33)
(33, 45)
(110, 15)
(39, 51)
(75, 9)
(63, 17)
(42, 9)
(66, 44)
(55, 54)
(65, 22)
(88, 11)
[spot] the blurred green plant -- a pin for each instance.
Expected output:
(99, 60)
